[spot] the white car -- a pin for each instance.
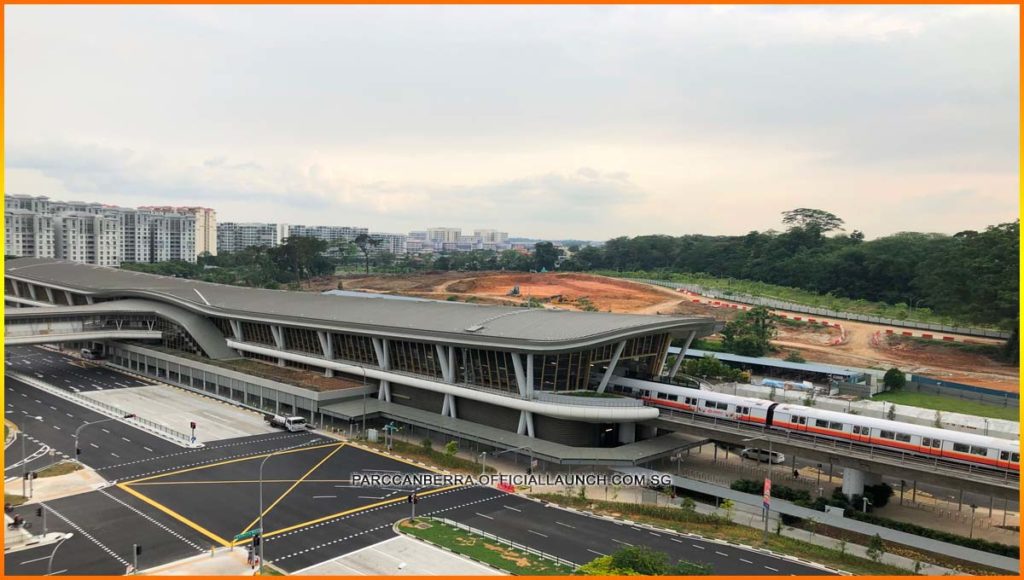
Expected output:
(763, 455)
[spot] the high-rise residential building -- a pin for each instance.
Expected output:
(88, 238)
(325, 233)
(491, 236)
(120, 234)
(444, 235)
(391, 243)
(28, 234)
(235, 237)
(205, 224)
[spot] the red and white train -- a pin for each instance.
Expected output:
(979, 450)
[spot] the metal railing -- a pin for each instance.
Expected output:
(523, 548)
(587, 401)
(157, 429)
(794, 307)
(936, 465)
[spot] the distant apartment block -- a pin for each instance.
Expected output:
(28, 233)
(325, 233)
(96, 233)
(392, 243)
(205, 225)
(235, 237)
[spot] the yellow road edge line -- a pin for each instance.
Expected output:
(358, 509)
(399, 459)
(175, 515)
(217, 481)
(227, 461)
(294, 485)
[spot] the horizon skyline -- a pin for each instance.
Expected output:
(563, 121)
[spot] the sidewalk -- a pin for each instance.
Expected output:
(220, 562)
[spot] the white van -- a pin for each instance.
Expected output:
(762, 455)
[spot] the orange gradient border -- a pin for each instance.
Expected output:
(1020, 192)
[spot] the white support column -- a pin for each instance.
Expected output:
(89, 300)
(327, 346)
(611, 367)
(451, 364)
(517, 363)
(380, 346)
(682, 354)
(31, 290)
(442, 361)
(236, 329)
(17, 291)
(525, 424)
(448, 408)
(49, 294)
(529, 376)
(278, 333)
(70, 298)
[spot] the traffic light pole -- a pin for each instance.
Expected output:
(78, 449)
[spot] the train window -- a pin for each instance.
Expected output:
(821, 423)
(960, 447)
(1004, 455)
(691, 401)
(800, 420)
(1015, 457)
(979, 450)
(662, 396)
(927, 442)
(709, 404)
(673, 397)
(903, 437)
(887, 435)
(836, 426)
(857, 430)
(743, 410)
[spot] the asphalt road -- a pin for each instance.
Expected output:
(66, 372)
(314, 515)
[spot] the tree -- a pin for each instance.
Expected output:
(894, 379)
(545, 256)
(366, 243)
(876, 548)
(795, 357)
(727, 506)
(817, 220)
(891, 413)
(750, 333)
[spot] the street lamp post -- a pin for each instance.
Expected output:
(973, 507)
(768, 476)
(364, 400)
(262, 463)
(78, 449)
(483, 463)
(867, 502)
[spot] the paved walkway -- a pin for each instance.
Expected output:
(400, 556)
(222, 562)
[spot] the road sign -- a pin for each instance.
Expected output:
(247, 535)
(767, 492)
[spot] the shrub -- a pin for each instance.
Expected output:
(894, 379)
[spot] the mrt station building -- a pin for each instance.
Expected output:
(506, 378)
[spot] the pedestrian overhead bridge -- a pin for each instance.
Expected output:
(129, 319)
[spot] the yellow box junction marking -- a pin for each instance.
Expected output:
(226, 462)
(293, 486)
(175, 515)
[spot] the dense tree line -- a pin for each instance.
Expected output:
(970, 275)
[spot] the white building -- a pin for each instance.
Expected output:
(205, 225)
(88, 238)
(28, 234)
(235, 237)
(325, 233)
(444, 235)
(392, 243)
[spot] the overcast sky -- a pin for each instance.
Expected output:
(584, 122)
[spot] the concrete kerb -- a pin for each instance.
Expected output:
(395, 528)
(175, 437)
(688, 535)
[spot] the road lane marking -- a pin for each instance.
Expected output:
(324, 496)
(566, 525)
(538, 533)
(147, 449)
(483, 515)
(621, 542)
(94, 445)
(126, 439)
(721, 553)
(596, 552)
(293, 486)
(176, 516)
(746, 561)
(115, 454)
(699, 547)
(104, 430)
(772, 569)
(512, 508)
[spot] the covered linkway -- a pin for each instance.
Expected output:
(118, 319)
